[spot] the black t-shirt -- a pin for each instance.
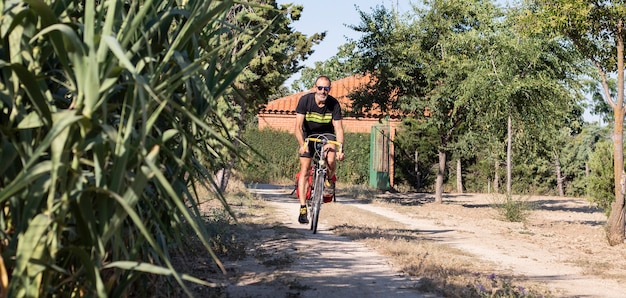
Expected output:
(318, 120)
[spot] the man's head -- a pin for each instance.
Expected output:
(322, 87)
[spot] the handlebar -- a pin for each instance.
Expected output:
(323, 141)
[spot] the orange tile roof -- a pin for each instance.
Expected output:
(340, 90)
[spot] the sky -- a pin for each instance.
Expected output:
(332, 16)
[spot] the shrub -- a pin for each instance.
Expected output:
(272, 157)
(355, 168)
(601, 187)
(513, 209)
(414, 137)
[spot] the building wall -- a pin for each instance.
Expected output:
(282, 122)
(286, 122)
(359, 125)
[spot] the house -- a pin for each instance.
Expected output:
(280, 114)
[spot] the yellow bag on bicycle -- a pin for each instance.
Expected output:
(329, 197)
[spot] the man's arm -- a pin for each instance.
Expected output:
(298, 130)
(337, 124)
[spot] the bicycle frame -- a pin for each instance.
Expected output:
(320, 169)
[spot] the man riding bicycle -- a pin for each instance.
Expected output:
(317, 113)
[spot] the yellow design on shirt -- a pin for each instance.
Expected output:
(318, 118)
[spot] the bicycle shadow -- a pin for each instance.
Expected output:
(273, 193)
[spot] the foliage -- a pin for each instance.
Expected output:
(575, 157)
(533, 171)
(107, 109)
(513, 209)
(385, 51)
(336, 67)
(599, 106)
(355, 168)
(273, 158)
(533, 174)
(271, 64)
(601, 183)
(413, 137)
(478, 173)
(598, 31)
(465, 74)
(278, 57)
(535, 88)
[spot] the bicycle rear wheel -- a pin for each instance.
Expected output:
(316, 201)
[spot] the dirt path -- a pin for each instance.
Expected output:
(517, 256)
(564, 233)
(327, 266)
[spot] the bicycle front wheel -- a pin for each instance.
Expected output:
(316, 200)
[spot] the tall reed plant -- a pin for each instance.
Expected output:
(106, 110)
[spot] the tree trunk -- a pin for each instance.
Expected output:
(223, 177)
(440, 173)
(459, 177)
(615, 224)
(508, 156)
(418, 185)
(559, 179)
(496, 177)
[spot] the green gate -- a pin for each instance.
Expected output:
(379, 156)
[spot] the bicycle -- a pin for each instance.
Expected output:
(319, 170)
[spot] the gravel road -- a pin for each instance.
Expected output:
(328, 265)
(331, 266)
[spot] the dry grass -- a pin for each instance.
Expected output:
(442, 270)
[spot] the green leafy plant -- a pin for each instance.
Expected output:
(601, 183)
(107, 109)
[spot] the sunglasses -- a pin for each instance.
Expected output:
(325, 88)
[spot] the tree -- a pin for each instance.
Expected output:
(520, 86)
(273, 62)
(336, 67)
(415, 153)
(460, 67)
(601, 179)
(599, 106)
(408, 65)
(422, 67)
(279, 57)
(388, 55)
(576, 161)
(597, 29)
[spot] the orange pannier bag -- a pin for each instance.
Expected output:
(308, 191)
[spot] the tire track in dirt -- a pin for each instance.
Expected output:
(519, 257)
(328, 265)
